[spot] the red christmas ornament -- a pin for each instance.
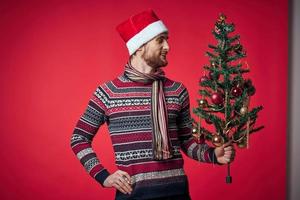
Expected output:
(217, 98)
(236, 91)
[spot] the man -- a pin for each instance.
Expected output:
(148, 117)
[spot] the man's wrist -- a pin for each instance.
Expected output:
(102, 176)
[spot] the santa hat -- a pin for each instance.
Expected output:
(140, 29)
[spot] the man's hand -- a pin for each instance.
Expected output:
(119, 180)
(225, 153)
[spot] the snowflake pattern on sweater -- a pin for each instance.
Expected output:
(125, 106)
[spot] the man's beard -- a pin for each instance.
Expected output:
(156, 61)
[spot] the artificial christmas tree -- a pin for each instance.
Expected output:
(225, 93)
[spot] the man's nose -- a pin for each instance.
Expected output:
(166, 46)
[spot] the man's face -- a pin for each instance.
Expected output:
(156, 50)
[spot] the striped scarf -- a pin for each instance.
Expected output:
(161, 145)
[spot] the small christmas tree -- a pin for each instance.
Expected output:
(225, 93)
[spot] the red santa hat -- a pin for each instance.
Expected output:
(140, 29)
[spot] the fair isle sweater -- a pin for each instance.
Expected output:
(125, 106)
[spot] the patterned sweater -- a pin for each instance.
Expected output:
(125, 106)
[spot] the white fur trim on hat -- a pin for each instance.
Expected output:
(145, 35)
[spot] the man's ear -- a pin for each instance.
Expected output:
(140, 50)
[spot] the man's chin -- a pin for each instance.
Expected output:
(159, 63)
(163, 62)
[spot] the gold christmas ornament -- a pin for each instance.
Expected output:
(243, 110)
(196, 134)
(222, 17)
(217, 140)
(203, 103)
(194, 130)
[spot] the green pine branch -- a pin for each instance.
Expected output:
(225, 77)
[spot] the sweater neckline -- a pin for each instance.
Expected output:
(125, 78)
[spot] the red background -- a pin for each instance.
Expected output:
(53, 55)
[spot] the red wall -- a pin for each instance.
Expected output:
(53, 54)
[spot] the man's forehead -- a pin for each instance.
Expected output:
(164, 34)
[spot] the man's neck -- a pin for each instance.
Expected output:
(140, 65)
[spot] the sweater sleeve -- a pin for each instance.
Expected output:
(84, 132)
(201, 152)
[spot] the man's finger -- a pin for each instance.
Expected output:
(122, 186)
(118, 187)
(126, 184)
(122, 173)
(227, 160)
(228, 148)
(228, 157)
